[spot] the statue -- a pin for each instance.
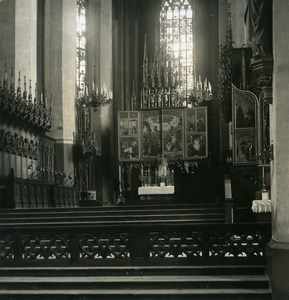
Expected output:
(258, 20)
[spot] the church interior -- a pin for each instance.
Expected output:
(143, 149)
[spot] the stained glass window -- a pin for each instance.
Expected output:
(81, 51)
(176, 38)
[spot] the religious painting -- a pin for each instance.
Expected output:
(172, 130)
(191, 119)
(129, 148)
(151, 134)
(245, 104)
(201, 122)
(245, 147)
(128, 132)
(196, 145)
(123, 123)
(245, 127)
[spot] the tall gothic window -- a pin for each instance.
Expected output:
(176, 38)
(81, 51)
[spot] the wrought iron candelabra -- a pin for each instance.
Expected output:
(96, 98)
(201, 92)
(88, 144)
(162, 85)
(22, 106)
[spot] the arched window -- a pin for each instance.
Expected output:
(176, 38)
(81, 46)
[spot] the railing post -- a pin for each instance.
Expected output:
(74, 248)
(229, 202)
(10, 201)
(17, 247)
(205, 245)
(229, 211)
(139, 247)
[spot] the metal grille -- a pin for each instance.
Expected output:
(81, 50)
(176, 38)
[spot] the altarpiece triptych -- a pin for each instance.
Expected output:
(172, 133)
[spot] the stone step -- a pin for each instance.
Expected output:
(43, 212)
(123, 223)
(114, 209)
(139, 294)
(84, 218)
(161, 270)
(134, 282)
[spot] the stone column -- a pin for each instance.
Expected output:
(238, 24)
(26, 38)
(18, 32)
(106, 113)
(278, 248)
(59, 65)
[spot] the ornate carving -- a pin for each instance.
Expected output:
(2, 133)
(236, 244)
(21, 108)
(45, 247)
(6, 248)
(104, 246)
(175, 245)
(262, 70)
(15, 143)
(225, 70)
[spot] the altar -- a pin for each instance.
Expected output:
(263, 209)
(156, 193)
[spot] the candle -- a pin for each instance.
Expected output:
(119, 171)
(104, 89)
(228, 190)
(265, 195)
(35, 90)
(230, 136)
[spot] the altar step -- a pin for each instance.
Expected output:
(143, 282)
(108, 215)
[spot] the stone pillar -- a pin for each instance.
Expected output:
(26, 38)
(224, 126)
(99, 43)
(18, 32)
(59, 65)
(278, 248)
(106, 113)
(238, 24)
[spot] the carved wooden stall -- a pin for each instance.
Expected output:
(28, 178)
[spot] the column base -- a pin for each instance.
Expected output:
(277, 269)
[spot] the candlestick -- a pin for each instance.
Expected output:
(119, 171)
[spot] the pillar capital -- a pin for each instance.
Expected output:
(262, 70)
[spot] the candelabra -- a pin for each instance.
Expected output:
(201, 92)
(96, 98)
(86, 136)
(162, 86)
(22, 106)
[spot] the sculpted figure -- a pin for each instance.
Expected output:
(258, 20)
